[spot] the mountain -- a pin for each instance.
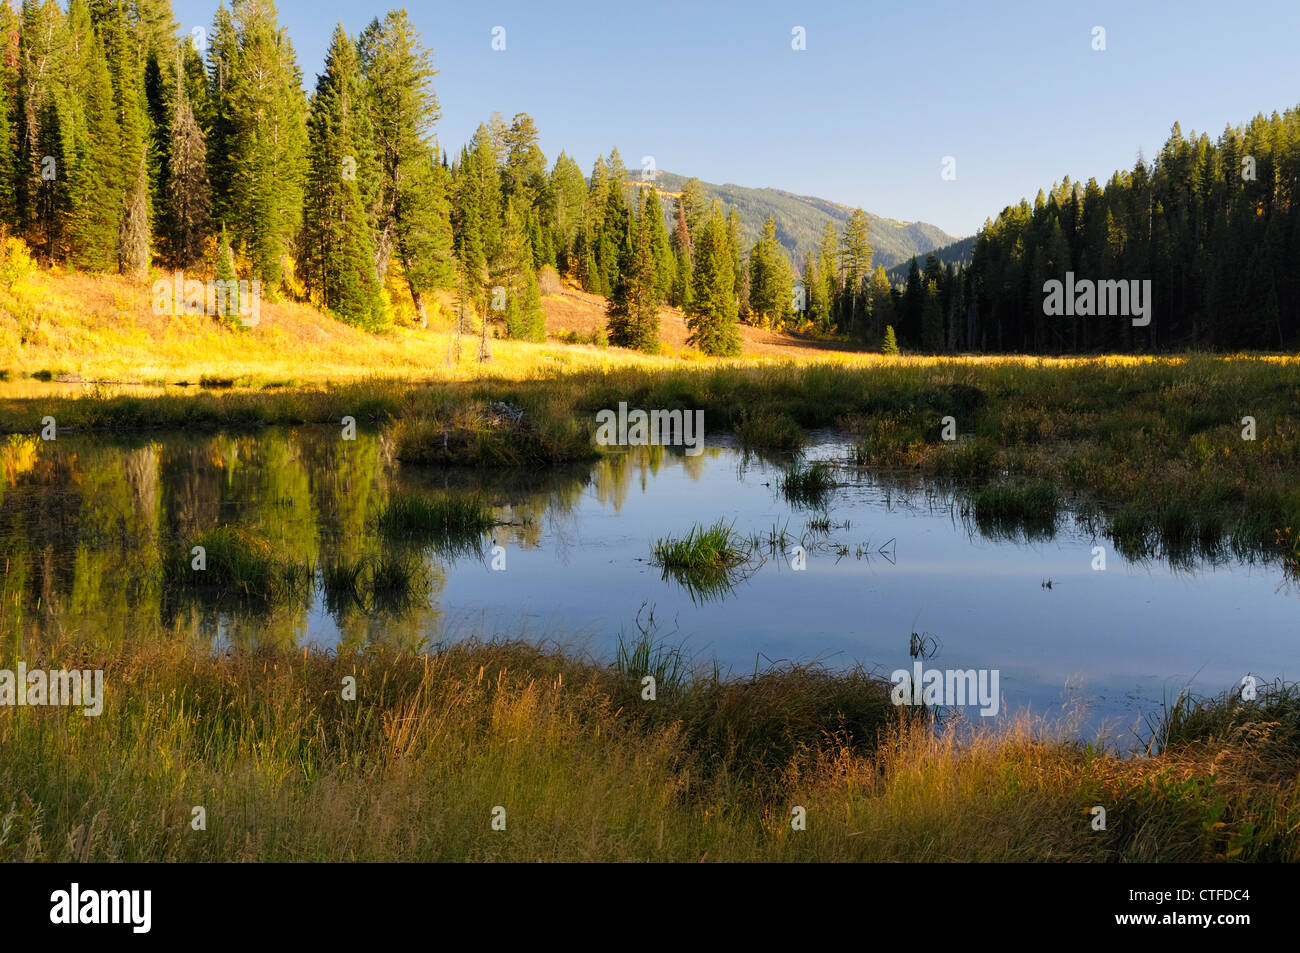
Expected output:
(801, 218)
(958, 253)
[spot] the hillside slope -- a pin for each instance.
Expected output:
(76, 327)
(800, 220)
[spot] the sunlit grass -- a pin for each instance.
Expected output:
(291, 767)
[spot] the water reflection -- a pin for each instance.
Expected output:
(88, 526)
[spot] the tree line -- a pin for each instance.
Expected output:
(1214, 226)
(125, 147)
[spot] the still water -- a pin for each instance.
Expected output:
(86, 524)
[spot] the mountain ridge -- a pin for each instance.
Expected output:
(800, 219)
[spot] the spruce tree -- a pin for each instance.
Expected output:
(95, 195)
(633, 310)
(712, 316)
(771, 284)
(268, 141)
(409, 207)
(855, 263)
(337, 246)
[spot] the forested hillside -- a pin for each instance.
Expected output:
(801, 219)
(127, 149)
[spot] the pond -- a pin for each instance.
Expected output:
(88, 523)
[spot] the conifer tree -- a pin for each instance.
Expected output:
(337, 245)
(95, 193)
(409, 209)
(268, 139)
(633, 310)
(828, 267)
(652, 217)
(683, 252)
(712, 315)
(771, 283)
(9, 36)
(855, 263)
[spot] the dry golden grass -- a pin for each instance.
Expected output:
(413, 768)
(103, 328)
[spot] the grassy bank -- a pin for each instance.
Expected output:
(1156, 444)
(587, 769)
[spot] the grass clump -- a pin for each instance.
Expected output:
(708, 561)
(375, 584)
(238, 564)
(452, 520)
(808, 485)
(1009, 503)
(703, 548)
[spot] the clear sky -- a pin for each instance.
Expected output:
(1011, 89)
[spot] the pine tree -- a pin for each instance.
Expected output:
(9, 59)
(890, 345)
(337, 245)
(829, 269)
(95, 195)
(633, 310)
(881, 302)
(652, 217)
(566, 195)
(770, 280)
(227, 276)
(46, 135)
(855, 261)
(268, 140)
(684, 253)
(409, 210)
(712, 314)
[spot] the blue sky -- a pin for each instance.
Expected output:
(1012, 90)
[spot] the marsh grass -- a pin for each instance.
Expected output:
(448, 522)
(709, 561)
(769, 431)
(1008, 508)
(1030, 502)
(239, 565)
(716, 546)
(1133, 432)
(808, 485)
(387, 582)
(707, 771)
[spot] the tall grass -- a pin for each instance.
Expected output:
(716, 546)
(289, 769)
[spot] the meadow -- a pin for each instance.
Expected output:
(1158, 450)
